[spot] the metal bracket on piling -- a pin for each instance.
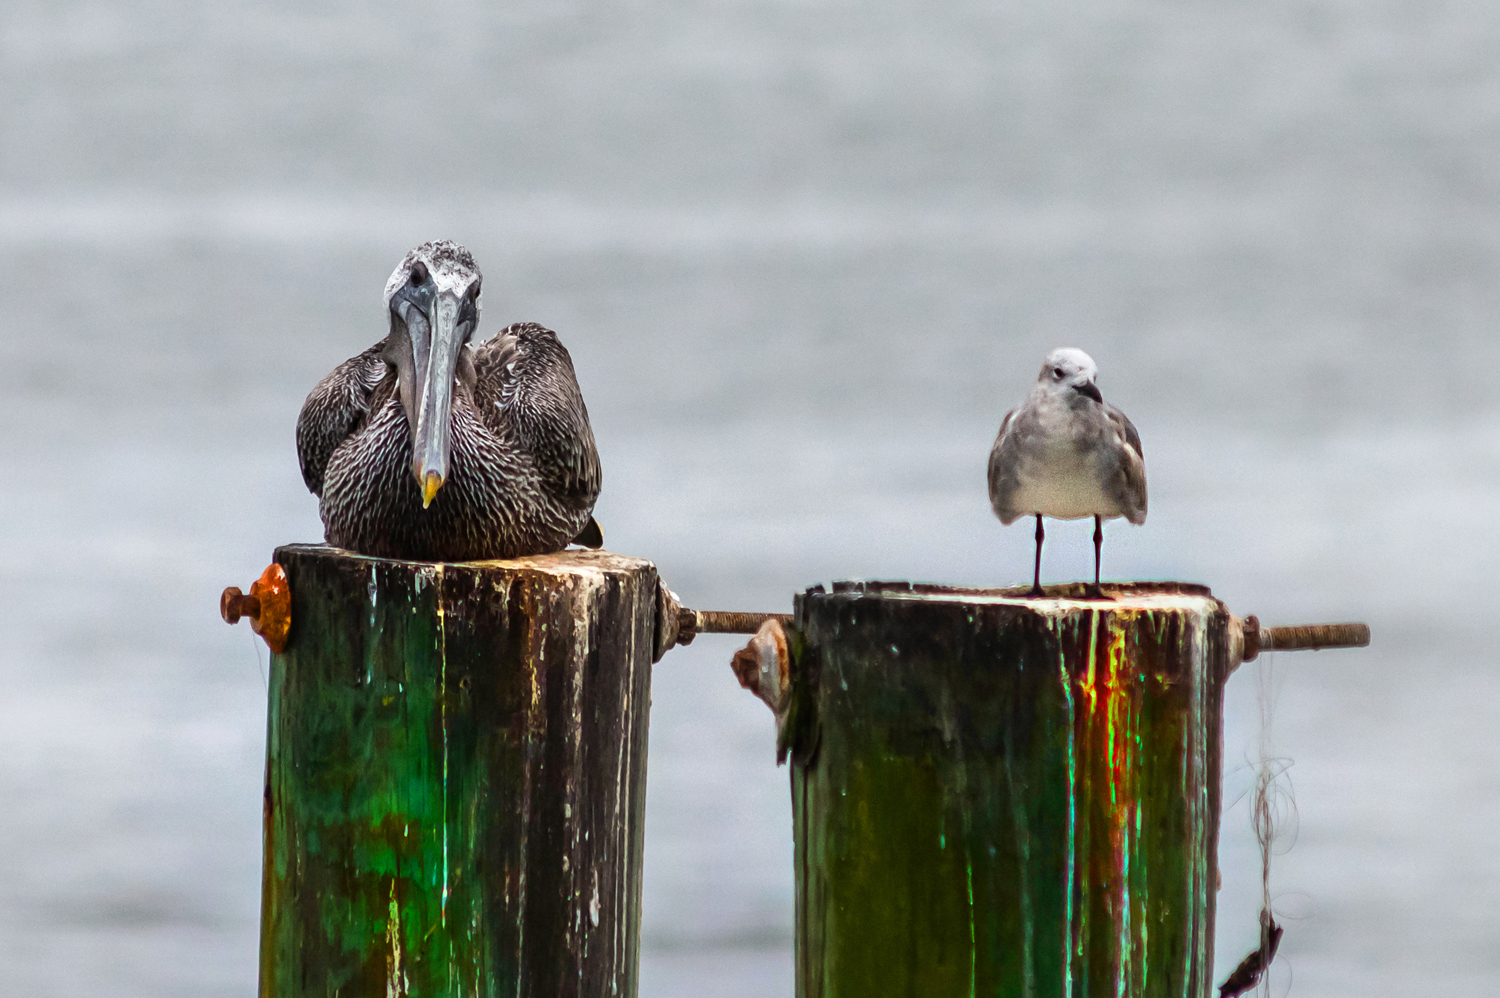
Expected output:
(764, 667)
(268, 607)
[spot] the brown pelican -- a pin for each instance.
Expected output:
(426, 447)
(1068, 454)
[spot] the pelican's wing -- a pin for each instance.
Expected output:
(1132, 484)
(495, 380)
(494, 360)
(525, 385)
(334, 410)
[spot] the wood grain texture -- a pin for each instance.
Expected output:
(455, 777)
(1001, 796)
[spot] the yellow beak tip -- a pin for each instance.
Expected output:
(430, 486)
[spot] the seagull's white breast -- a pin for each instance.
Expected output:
(1065, 484)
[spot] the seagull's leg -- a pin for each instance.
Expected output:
(1098, 543)
(1036, 576)
(1094, 592)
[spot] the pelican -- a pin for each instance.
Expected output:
(1068, 454)
(426, 447)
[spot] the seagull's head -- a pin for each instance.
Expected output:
(1070, 372)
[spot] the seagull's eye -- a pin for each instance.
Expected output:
(1057, 373)
(418, 274)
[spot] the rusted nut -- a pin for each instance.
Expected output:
(268, 607)
(764, 667)
(1252, 638)
(687, 625)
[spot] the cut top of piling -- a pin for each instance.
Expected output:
(601, 573)
(1058, 600)
(560, 563)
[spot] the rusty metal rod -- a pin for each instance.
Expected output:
(691, 623)
(1302, 637)
(1315, 636)
(1297, 637)
(733, 621)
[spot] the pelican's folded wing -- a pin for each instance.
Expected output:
(526, 386)
(334, 410)
(494, 359)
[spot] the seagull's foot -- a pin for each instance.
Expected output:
(1036, 593)
(1094, 592)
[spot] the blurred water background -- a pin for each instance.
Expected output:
(805, 254)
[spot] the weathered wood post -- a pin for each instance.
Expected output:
(455, 775)
(995, 795)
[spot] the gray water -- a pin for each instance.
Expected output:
(805, 255)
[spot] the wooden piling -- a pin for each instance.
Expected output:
(995, 795)
(455, 777)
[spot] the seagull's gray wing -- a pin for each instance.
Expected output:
(1002, 477)
(1130, 484)
(335, 409)
(1126, 426)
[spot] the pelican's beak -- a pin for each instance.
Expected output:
(435, 373)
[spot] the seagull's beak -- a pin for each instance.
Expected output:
(1089, 390)
(435, 369)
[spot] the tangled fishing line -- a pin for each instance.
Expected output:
(1271, 810)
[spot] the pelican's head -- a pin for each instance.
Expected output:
(433, 300)
(1070, 369)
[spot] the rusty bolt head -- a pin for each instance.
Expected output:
(234, 604)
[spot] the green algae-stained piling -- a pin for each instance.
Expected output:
(455, 777)
(995, 795)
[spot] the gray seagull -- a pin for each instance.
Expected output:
(1068, 454)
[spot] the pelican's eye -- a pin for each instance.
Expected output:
(474, 291)
(418, 274)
